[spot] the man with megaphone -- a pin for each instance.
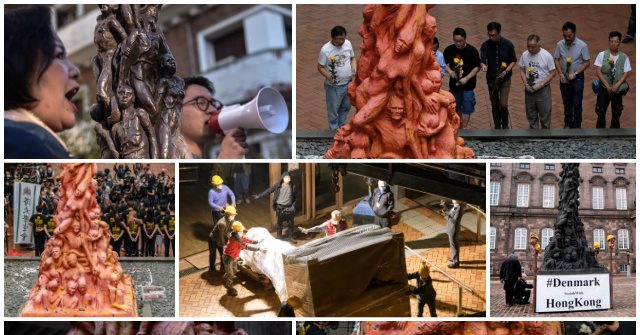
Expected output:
(197, 108)
(203, 117)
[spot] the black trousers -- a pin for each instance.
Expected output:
(602, 103)
(284, 218)
(117, 245)
(524, 299)
(429, 301)
(148, 246)
(39, 239)
(213, 249)
(169, 243)
(509, 288)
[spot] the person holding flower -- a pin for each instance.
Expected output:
(498, 57)
(537, 71)
(463, 64)
(613, 68)
(572, 58)
(337, 64)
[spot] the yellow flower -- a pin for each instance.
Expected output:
(596, 245)
(504, 65)
(610, 59)
(530, 70)
(332, 58)
(568, 59)
(537, 247)
(456, 60)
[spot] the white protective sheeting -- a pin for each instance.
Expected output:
(268, 263)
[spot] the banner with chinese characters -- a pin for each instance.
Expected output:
(572, 292)
(25, 201)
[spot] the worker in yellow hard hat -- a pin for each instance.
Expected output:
(219, 236)
(231, 255)
(219, 197)
(424, 290)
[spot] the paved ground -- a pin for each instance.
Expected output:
(202, 294)
(518, 21)
(624, 302)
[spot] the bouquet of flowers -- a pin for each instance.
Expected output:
(532, 75)
(612, 74)
(497, 82)
(568, 67)
(332, 70)
(457, 67)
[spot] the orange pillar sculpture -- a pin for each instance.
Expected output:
(80, 274)
(401, 110)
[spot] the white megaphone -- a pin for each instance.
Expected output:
(267, 110)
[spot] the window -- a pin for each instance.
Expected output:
(623, 267)
(492, 237)
(496, 164)
(523, 195)
(621, 198)
(596, 169)
(598, 236)
(524, 165)
(494, 193)
(619, 171)
(548, 195)
(623, 239)
(230, 45)
(546, 235)
(597, 197)
(520, 241)
(549, 167)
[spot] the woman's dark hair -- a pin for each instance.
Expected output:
(29, 48)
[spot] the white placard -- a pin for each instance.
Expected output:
(572, 292)
(25, 201)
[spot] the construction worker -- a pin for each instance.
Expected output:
(236, 243)
(330, 227)
(219, 236)
(285, 194)
(424, 290)
(218, 198)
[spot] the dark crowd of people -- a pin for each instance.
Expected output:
(136, 202)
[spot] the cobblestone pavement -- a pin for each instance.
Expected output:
(202, 293)
(518, 21)
(624, 302)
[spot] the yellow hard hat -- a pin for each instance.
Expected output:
(216, 180)
(596, 245)
(230, 210)
(535, 236)
(294, 302)
(237, 226)
(611, 237)
(423, 270)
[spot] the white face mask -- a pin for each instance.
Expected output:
(232, 217)
(219, 187)
(286, 180)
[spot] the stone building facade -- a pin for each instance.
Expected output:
(523, 199)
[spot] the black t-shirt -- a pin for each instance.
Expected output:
(37, 220)
(51, 224)
(471, 60)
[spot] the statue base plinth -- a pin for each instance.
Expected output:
(129, 308)
(572, 290)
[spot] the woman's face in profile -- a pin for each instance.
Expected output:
(54, 91)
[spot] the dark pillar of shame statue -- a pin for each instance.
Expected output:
(568, 249)
(570, 278)
(139, 97)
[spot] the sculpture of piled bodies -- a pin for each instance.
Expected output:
(155, 328)
(568, 248)
(463, 328)
(142, 119)
(80, 274)
(401, 110)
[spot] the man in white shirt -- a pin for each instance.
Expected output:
(536, 71)
(613, 68)
(337, 64)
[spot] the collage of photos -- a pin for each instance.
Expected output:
(319, 169)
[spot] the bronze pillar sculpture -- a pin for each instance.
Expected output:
(142, 120)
